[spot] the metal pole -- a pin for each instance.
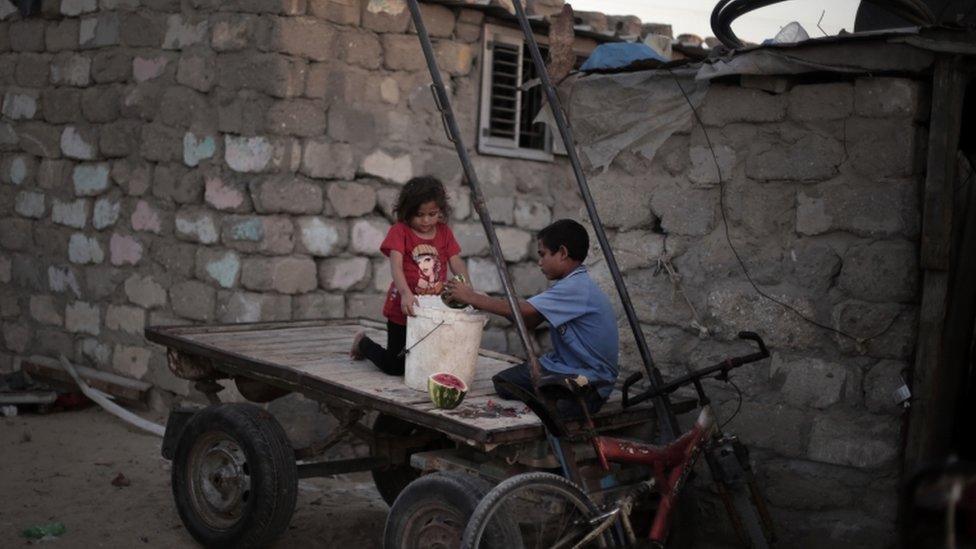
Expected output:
(443, 102)
(667, 422)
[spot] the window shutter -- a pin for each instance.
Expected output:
(504, 110)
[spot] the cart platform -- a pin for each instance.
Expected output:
(312, 358)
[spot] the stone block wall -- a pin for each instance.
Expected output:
(166, 162)
(821, 191)
(200, 161)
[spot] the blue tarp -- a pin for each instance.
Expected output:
(617, 55)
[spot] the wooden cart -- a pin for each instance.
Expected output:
(235, 473)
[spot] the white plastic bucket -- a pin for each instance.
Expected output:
(441, 339)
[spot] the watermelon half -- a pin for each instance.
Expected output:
(446, 390)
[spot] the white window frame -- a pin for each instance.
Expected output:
(496, 145)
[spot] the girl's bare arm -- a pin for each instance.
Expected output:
(400, 280)
(459, 267)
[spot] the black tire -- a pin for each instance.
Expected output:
(234, 477)
(496, 513)
(433, 511)
(391, 480)
(752, 526)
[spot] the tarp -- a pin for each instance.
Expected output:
(636, 111)
(639, 110)
(618, 55)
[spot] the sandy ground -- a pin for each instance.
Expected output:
(59, 467)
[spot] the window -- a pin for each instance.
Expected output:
(505, 123)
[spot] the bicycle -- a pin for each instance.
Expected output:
(542, 509)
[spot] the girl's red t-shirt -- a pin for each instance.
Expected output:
(425, 263)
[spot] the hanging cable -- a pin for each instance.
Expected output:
(914, 12)
(859, 341)
(738, 404)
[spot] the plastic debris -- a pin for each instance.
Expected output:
(121, 481)
(790, 34)
(618, 55)
(8, 411)
(42, 531)
(102, 400)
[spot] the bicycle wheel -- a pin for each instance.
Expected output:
(747, 515)
(541, 510)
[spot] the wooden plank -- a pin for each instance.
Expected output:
(257, 343)
(295, 350)
(316, 334)
(948, 90)
(358, 382)
(925, 441)
(189, 329)
(281, 332)
(960, 321)
(921, 442)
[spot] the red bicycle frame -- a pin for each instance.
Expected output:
(671, 464)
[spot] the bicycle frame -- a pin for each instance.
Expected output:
(728, 460)
(671, 464)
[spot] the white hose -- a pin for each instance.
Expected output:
(102, 400)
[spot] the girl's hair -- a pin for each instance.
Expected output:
(419, 191)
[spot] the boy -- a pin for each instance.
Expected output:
(583, 325)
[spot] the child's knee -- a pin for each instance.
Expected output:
(502, 392)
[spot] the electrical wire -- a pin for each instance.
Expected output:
(915, 12)
(738, 405)
(735, 252)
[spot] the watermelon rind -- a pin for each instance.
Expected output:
(443, 396)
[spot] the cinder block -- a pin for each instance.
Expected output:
(193, 300)
(300, 117)
(287, 194)
(286, 275)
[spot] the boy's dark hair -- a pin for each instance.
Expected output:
(417, 192)
(566, 232)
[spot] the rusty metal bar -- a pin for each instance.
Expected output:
(667, 423)
(443, 102)
(340, 467)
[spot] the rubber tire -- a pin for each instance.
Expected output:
(486, 508)
(460, 491)
(272, 470)
(751, 523)
(392, 480)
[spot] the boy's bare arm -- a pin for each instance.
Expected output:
(494, 305)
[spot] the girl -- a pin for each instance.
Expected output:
(420, 247)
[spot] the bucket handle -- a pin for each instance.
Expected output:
(404, 352)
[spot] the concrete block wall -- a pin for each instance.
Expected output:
(167, 162)
(176, 162)
(821, 199)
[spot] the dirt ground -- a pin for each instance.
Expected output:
(60, 467)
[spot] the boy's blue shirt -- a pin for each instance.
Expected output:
(584, 329)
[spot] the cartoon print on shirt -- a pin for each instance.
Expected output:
(429, 263)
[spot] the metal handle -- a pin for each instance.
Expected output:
(406, 350)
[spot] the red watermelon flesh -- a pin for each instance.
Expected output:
(446, 390)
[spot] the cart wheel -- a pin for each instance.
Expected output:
(433, 511)
(234, 477)
(391, 480)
